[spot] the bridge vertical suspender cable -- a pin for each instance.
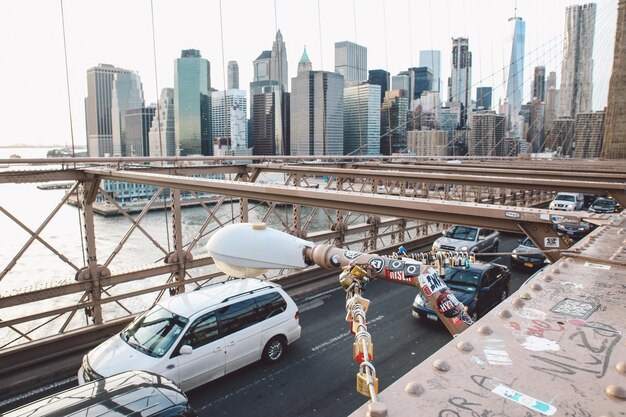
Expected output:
(69, 105)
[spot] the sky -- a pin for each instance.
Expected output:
(36, 102)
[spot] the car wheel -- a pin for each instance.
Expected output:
(495, 247)
(274, 349)
(503, 295)
(474, 316)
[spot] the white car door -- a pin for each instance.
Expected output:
(207, 360)
(241, 331)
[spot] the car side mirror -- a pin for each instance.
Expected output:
(519, 240)
(485, 289)
(186, 350)
(481, 238)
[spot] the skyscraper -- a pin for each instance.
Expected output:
(361, 119)
(577, 66)
(98, 109)
(432, 60)
(393, 121)
(316, 111)
(487, 134)
(192, 104)
(137, 139)
(461, 80)
(428, 142)
(233, 75)
(515, 71)
(539, 84)
(382, 78)
(588, 134)
(278, 66)
(561, 136)
(351, 61)
(483, 98)
(271, 129)
(127, 94)
(162, 137)
(223, 125)
(421, 79)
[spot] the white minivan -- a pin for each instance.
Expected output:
(195, 337)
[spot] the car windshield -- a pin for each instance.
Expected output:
(565, 197)
(462, 232)
(604, 203)
(154, 332)
(464, 280)
(529, 243)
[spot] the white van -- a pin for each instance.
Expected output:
(567, 201)
(195, 337)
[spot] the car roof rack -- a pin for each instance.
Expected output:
(247, 292)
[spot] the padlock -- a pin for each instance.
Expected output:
(358, 272)
(345, 279)
(357, 351)
(362, 385)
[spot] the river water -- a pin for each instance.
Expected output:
(39, 266)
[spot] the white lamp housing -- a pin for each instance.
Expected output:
(246, 250)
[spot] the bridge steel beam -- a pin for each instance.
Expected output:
(582, 172)
(615, 188)
(503, 218)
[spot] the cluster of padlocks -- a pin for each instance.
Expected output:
(439, 260)
(353, 280)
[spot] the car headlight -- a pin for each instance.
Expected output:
(463, 248)
(436, 245)
(514, 253)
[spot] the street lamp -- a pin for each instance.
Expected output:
(246, 250)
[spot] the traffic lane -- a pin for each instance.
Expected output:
(318, 374)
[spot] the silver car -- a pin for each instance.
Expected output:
(468, 239)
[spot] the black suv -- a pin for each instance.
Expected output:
(480, 288)
(133, 393)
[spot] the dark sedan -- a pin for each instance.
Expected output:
(604, 205)
(577, 231)
(480, 287)
(527, 255)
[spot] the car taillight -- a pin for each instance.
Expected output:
(297, 316)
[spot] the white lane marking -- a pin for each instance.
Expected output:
(342, 336)
(37, 391)
(315, 301)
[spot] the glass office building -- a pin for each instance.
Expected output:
(192, 104)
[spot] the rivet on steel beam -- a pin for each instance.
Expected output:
(525, 296)
(504, 314)
(377, 409)
(536, 287)
(485, 330)
(547, 278)
(441, 365)
(621, 367)
(570, 260)
(556, 270)
(616, 391)
(518, 303)
(464, 346)
(564, 265)
(621, 231)
(414, 388)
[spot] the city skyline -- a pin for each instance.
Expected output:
(407, 28)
